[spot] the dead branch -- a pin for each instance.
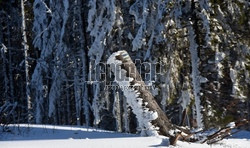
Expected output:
(224, 132)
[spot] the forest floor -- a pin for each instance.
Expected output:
(49, 136)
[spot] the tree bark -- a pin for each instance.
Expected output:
(26, 48)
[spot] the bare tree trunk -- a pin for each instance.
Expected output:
(26, 48)
(117, 111)
(77, 92)
(68, 111)
(10, 62)
(6, 80)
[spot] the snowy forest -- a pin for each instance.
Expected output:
(55, 58)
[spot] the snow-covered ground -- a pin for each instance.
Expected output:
(49, 136)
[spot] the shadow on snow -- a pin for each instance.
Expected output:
(50, 132)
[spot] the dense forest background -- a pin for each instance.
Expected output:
(49, 49)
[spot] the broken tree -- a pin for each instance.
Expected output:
(149, 114)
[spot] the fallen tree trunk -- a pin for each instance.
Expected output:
(122, 62)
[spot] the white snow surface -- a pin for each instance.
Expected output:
(50, 136)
